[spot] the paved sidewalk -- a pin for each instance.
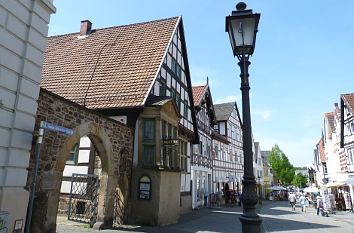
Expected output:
(278, 217)
(224, 219)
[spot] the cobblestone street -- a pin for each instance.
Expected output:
(277, 217)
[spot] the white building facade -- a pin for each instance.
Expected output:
(201, 163)
(347, 141)
(258, 170)
(228, 159)
(23, 32)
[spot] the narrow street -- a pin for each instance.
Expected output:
(277, 217)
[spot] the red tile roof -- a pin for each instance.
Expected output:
(111, 68)
(322, 151)
(349, 101)
(198, 93)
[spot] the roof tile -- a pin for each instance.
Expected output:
(111, 68)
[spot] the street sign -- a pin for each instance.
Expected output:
(57, 128)
(170, 141)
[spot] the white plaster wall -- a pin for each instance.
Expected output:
(23, 32)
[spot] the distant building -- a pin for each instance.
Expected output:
(258, 167)
(268, 174)
(347, 140)
(201, 163)
(302, 171)
(228, 155)
(320, 164)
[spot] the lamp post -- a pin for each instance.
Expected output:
(242, 26)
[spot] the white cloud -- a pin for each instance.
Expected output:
(266, 114)
(231, 98)
(227, 99)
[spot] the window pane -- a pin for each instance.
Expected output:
(149, 155)
(149, 129)
(73, 155)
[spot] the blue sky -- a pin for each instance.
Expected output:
(303, 61)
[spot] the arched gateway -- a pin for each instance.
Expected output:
(113, 143)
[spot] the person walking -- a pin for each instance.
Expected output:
(303, 202)
(292, 200)
(319, 204)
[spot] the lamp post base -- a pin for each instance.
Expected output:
(251, 224)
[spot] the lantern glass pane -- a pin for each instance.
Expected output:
(232, 39)
(245, 26)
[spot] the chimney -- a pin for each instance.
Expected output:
(85, 28)
(335, 104)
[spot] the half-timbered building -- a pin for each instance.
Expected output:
(228, 159)
(137, 74)
(201, 163)
(347, 138)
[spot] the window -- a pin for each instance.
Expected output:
(163, 88)
(73, 155)
(183, 152)
(169, 150)
(144, 188)
(173, 66)
(178, 101)
(185, 114)
(176, 68)
(148, 152)
(201, 148)
(216, 152)
(222, 129)
(324, 168)
(149, 129)
(148, 155)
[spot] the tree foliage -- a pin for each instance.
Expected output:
(281, 166)
(300, 180)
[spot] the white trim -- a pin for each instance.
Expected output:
(163, 58)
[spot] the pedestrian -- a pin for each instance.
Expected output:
(239, 198)
(319, 204)
(303, 202)
(292, 200)
(218, 197)
(206, 194)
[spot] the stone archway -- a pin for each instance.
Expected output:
(108, 179)
(109, 138)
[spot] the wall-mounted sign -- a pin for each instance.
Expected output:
(170, 141)
(57, 128)
(144, 191)
(18, 226)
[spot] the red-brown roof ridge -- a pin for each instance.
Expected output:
(198, 93)
(349, 99)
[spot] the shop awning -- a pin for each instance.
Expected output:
(334, 184)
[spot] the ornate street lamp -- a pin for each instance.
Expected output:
(242, 27)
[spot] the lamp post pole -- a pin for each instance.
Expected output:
(251, 221)
(242, 26)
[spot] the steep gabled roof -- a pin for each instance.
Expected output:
(198, 93)
(110, 68)
(224, 110)
(322, 151)
(349, 101)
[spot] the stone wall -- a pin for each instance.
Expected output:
(23, 33)
(112, 140)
